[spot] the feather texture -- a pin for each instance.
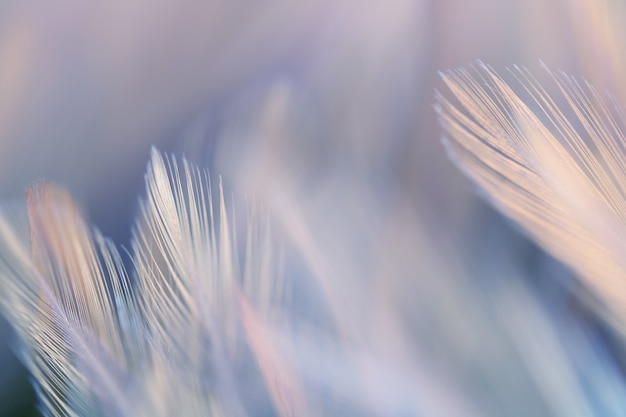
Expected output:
(556, 165)
(169, 339)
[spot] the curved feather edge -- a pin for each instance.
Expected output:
(554, 163)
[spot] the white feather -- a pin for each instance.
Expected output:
(167, 342)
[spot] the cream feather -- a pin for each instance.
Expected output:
(554, 163)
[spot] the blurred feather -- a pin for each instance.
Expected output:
(555, 165)
(599, 36)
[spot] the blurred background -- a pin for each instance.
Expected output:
(325, 108)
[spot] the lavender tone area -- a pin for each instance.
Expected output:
(325, 109)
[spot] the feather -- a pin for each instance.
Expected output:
(282, 383)
(191, 273)
(166, 340)
(68, 296)
(556, 165)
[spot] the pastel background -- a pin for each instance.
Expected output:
(328, 105)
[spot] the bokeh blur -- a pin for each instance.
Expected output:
(325, 109)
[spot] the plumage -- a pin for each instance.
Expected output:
(166, 338)
(554, 162)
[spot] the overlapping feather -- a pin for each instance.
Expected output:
(555, 165)
(166, 341)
